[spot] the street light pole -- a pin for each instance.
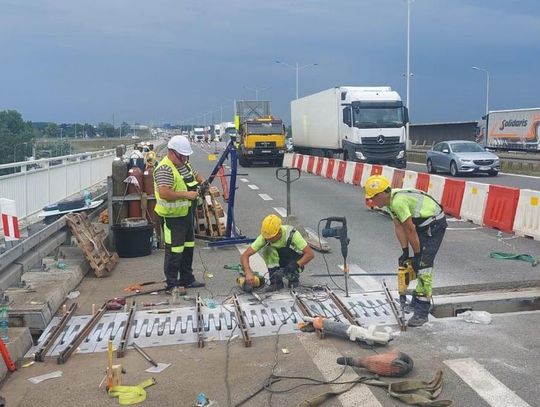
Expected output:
(257, 90)
(487, 86)
(409, 2)
(297, 68)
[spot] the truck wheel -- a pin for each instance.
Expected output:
(345, 155)
(453, 169)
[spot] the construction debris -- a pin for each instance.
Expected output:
(91, 242)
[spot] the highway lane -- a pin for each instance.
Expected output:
(463, 259)
(509, 180)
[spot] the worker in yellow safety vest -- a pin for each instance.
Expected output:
(419, 222)
(175, 185)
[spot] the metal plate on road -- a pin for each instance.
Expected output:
(179, 325)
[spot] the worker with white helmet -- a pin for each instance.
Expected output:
(419, 222)
(175, 184)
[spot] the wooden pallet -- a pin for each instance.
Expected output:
(91, 242)
(210, 216)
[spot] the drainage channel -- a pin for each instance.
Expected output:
(494, 302)
(179, 326)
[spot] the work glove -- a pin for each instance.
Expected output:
(404, 257)
(417, 261)
(291, 268)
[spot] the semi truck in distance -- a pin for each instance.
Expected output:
(366, 124)
(517, 129)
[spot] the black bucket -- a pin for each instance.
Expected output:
(133, 241)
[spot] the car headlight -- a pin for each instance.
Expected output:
(401, 154)
(463, 160)
(359, 155)
(249, 151)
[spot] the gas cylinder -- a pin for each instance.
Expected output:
(134, 210)
(148, 179)
(119, 174)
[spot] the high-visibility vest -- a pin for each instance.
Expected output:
(172, 209)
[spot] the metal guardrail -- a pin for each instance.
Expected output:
(35, 184)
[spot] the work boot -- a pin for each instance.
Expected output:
(276, 281)
(273, 287)
(196, 284)
(408, 307)
(421, 312)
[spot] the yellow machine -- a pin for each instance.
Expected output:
(258, 282)
(406, 274)
(261, 140)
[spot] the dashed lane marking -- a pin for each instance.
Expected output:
(252, 186)
(244, 180)
(485, 384)
(367, 283)
(281, 211)
(256, 262)
(266, 197)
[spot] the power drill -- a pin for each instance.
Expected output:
(406, 274)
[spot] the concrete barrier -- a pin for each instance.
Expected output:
(366, 173)
(409, 181)
(349, 172)
(288, 160)
(436, 186)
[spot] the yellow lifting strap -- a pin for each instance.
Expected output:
(413, 392)
(128, 395)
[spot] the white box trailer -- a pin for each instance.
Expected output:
(517, 129)
(363, 123)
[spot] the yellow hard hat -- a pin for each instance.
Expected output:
(271, 225)
(375, 185)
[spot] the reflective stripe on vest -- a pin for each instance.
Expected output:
(176, 208)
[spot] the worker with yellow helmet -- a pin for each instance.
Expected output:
(284, 251)
(420, 223)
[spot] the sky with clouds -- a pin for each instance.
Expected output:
(175, 60)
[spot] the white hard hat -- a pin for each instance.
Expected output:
(180, 144)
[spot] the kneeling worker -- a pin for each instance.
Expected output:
(284, 251)
(420, 222)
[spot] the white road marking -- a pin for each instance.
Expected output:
(244, 180)
(474, 228)
(501, 173)
(256, 262)
(252, 186)
(266, 197)
(485, 384)
(282, 212)
(367, 283)
(313, 235)
(324, 357)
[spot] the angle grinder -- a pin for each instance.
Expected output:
(258, 281)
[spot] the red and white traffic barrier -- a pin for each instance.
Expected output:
(474, 202)
(507, 209)
(527, 220)
(10, 222)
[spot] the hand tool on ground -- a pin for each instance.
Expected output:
(406, 274)
(340, 233)
(115, 304)
(258, 281)
(241, 321)
(7, 358)
(39, 356)
(391, 364)
(354, 333)
(145, 292)
(144, 354)
(125, 333)
(139, 286)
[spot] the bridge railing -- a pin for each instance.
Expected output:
(35, 184)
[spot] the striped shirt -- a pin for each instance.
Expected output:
(164, 176)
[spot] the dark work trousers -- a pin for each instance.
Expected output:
(431, 238)
(286, 256)
(179, 246)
